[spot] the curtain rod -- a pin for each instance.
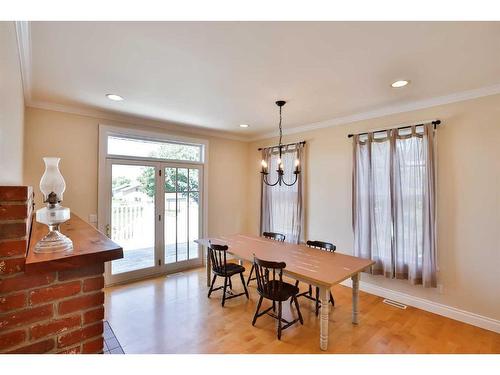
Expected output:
(435, 123)
(288, 144)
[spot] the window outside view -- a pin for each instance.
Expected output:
(181, 213)
(154, 149)
(133, 216)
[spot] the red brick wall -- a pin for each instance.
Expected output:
(55, 312)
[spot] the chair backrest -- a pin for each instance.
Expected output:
(217, 255)
(274, 236)
(269, 276)
(322, 245)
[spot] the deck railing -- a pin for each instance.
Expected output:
(126, 220)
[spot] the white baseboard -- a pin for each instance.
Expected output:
(427, 305)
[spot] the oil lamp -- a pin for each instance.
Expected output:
(52, 186)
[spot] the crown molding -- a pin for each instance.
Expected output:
(377, 113)
(23, 33)
(131, 119)
(389, 110)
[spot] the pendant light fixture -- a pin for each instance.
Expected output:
(281, 173)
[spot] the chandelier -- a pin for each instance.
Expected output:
(281, 173)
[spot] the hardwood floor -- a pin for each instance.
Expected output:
(173, 315)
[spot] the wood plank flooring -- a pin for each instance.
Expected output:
(173, 315)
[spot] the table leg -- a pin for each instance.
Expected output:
(324, 293)
(355, 298)
(209, 268)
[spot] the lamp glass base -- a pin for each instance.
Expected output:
(54, 242)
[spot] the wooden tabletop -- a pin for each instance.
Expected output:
(89, 247)
(317, 266)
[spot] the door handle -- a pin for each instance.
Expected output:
(108, 231)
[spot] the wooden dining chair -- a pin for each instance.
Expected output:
(308, 294)
(270, 285)
(272, 236)
(220, 267)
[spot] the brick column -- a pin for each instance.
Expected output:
(46, 312)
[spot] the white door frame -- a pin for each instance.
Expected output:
(104, 191)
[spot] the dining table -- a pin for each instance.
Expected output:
(316, 267)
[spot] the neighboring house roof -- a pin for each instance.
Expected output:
(126, 188)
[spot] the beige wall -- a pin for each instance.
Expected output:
(74, 138)
(11, 108)
(468, 198)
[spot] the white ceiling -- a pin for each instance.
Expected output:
(218, 75)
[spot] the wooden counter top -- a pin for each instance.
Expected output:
(89, 247)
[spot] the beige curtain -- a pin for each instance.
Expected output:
(394, 203)
(282, 206)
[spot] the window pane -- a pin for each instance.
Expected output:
(193, 179)
(170, 179)
(133, 216)
(182, 245)
(194, 214)
(182, 179)
(170, 227)
(153, 149)
(182, 214)
(283, 199)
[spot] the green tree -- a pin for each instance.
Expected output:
(147, 181)
(172, 151)
(120, 181)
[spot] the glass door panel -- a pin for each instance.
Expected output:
(133, 191)
(170, 215)
(182, 228)
(182, 214)
(194, 223)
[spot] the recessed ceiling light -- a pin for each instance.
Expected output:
(116, 98)
(243, 126)
(401, 83)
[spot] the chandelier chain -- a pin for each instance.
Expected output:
(281, 131)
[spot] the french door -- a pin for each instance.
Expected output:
(154, 212)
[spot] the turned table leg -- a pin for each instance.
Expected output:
(355, 298)
(324, 293)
